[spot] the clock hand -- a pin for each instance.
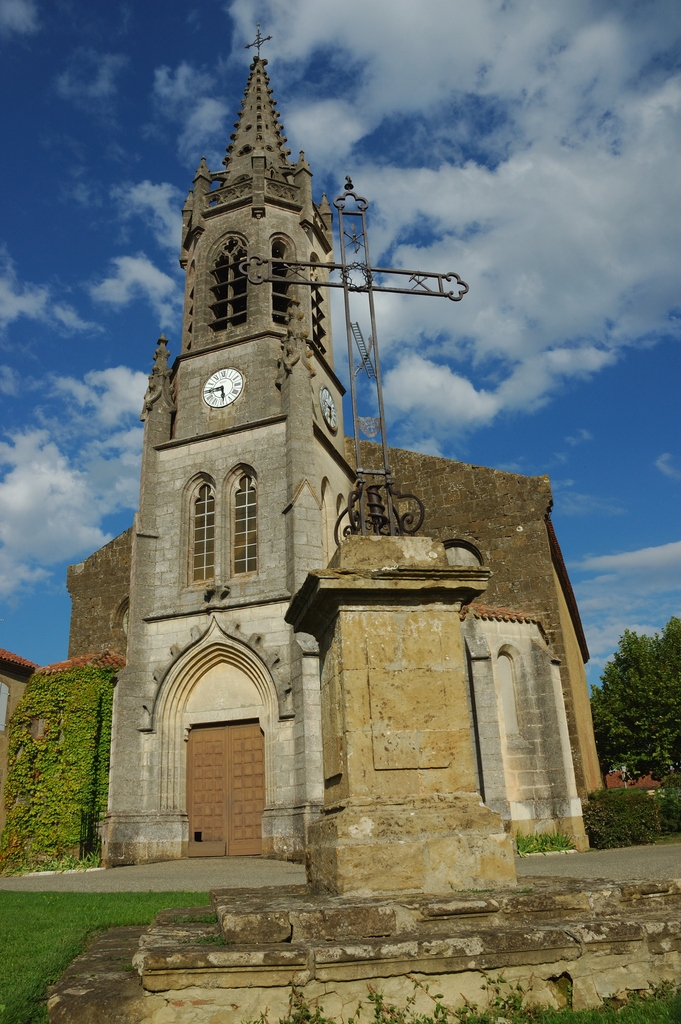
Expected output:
(218, 388)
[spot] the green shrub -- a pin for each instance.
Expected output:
(57, 766)
(668, 800)
(621, 817)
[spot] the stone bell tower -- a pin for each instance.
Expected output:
(216, 740)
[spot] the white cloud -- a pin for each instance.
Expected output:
(18, 16)
(649, 562)
(532, 148)
(137, 277)
(182, 96)
(436, 392)
(91, 78)
(580, 437)
(59, 480)
(112, 395)
(181, 86)
(663, 463)
(573, 503)
(203, 126)
(9, 381)
(35, 302)
(158, 205)
(638, 590)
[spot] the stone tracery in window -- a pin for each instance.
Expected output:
(280, 298)
(230, 291)
(204, 535)
(245, 530)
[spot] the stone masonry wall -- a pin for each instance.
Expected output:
(99, 588)
(503, 514)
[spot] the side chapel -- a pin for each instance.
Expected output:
(216, 746)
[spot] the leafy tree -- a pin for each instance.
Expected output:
(637, 710)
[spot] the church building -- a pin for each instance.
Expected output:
(216, 746)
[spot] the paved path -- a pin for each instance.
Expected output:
(633, 862)
(202, 873)
(197, 874)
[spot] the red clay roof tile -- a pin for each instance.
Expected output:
(100, 659)
(16, 659)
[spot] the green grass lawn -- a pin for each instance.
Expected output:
(41, 933)
(671, 837)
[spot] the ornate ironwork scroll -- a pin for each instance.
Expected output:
(373, 504)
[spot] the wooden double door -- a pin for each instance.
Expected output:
(225, 790)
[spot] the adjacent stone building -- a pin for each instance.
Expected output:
(216, 743)
(15, 672)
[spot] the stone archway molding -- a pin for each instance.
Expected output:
(216, 645)
(200, 638)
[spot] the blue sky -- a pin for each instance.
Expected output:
(531, 146)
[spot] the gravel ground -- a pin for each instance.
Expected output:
(199, 874)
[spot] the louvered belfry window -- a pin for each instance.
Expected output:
(230, 291)
(245, 529)
(317, 306)
(280, 298)
(204, 534)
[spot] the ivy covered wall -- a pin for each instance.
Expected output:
(58, 761)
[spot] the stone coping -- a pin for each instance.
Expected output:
(272, 938)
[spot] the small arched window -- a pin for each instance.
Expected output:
(4, 697)
(245, 526)
(279, 290)
(506, 674)
(230, 291)
(204, 534)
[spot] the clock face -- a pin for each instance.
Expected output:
(328, 407)
(223, 388)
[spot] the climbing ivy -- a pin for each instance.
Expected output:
(58, 764)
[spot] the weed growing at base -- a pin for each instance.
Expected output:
(544, 842)
(505, 1006)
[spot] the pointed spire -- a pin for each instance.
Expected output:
(202, 171)
(258, 129)
(302, 164)
(326, 212)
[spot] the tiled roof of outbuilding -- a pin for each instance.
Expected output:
(100, 659)
(485, 611)
(16, 659)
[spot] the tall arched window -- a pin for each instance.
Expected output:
(279, 290)
(230, 288)
(204, 534)
(245, 526)
(4, 697)
(505, 670)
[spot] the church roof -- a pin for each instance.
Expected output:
(102, 659)
(15, 660)
(258, 130)
(566, 586)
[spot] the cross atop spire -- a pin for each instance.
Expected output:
(258, 130)
(258, 41)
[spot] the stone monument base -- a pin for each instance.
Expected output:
(562, 940)
(413, 846)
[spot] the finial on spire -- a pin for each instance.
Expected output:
(258, 41)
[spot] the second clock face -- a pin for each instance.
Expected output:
(328, 407)
(223, 388)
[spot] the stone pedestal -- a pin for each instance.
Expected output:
(402, 812)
